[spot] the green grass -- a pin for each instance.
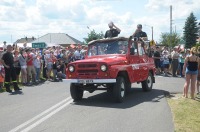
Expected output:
(186, 113)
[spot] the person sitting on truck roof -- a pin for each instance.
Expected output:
(113, 31)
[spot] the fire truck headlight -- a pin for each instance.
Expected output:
(103, 68)
(71, 68)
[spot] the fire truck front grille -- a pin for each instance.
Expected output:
(87, 72)
(87, 65)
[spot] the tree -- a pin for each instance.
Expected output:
(190, 31)
(165, 39)
(93, 36)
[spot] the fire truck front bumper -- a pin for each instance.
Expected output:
(90, 81)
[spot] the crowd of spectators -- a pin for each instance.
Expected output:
(170, 62)
(180, 63)
(33, 65)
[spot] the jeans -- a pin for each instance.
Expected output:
(54, 73)
(37, 73)
(181, 68)
(61, 75)
(174, 66)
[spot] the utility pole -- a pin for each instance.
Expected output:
(50, 37)
(11, 38)
(199, 31)
(175, 29)
(152, 32)
(171, 26)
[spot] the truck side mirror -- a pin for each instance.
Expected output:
(132, 51)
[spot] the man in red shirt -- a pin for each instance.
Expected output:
(30, 67)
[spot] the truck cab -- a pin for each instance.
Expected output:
(112, 64)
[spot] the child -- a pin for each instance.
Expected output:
(2, 75)
(60, 70)
(165, 58)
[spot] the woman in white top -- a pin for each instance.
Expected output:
(37, 64)
(23, 64)
(49, 63)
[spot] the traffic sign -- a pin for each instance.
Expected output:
(152, 43)
(39, 45)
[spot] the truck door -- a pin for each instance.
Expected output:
(143, 60)
(135, 64)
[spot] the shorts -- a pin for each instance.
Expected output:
(23, 67)
(191, 72)
(166, 66)
(49, 66)
(157, 63)
(1, 79)
(31, 70)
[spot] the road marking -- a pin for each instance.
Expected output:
(40, 115)
(52, 110)
(46, 117)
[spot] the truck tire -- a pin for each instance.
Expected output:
(76, 93)
(128, 87)
(148, 83)
(119, 89)
(110, 88)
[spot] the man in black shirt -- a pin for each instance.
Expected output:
(8, 61)
(139, 33)
(113, 31)
(157, 57)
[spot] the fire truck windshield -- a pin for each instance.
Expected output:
(111, 47)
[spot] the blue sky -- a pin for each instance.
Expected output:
(20, 18)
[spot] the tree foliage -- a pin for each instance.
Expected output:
(93, 36)
(165, 39)
(190, 31)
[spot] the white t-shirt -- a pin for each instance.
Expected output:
(165, 59)
(77, 54)
(37, 63)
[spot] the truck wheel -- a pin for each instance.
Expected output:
(128, 87)
(119, 89)
(76, 93)
(110, 88)
(148, 83)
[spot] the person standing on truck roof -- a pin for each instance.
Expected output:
(113, 31)
(139, 33)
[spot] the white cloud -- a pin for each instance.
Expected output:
(180, 11)
(73, 17)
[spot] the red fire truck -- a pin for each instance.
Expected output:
(112, 64)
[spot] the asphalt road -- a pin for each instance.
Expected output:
(49, 107)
